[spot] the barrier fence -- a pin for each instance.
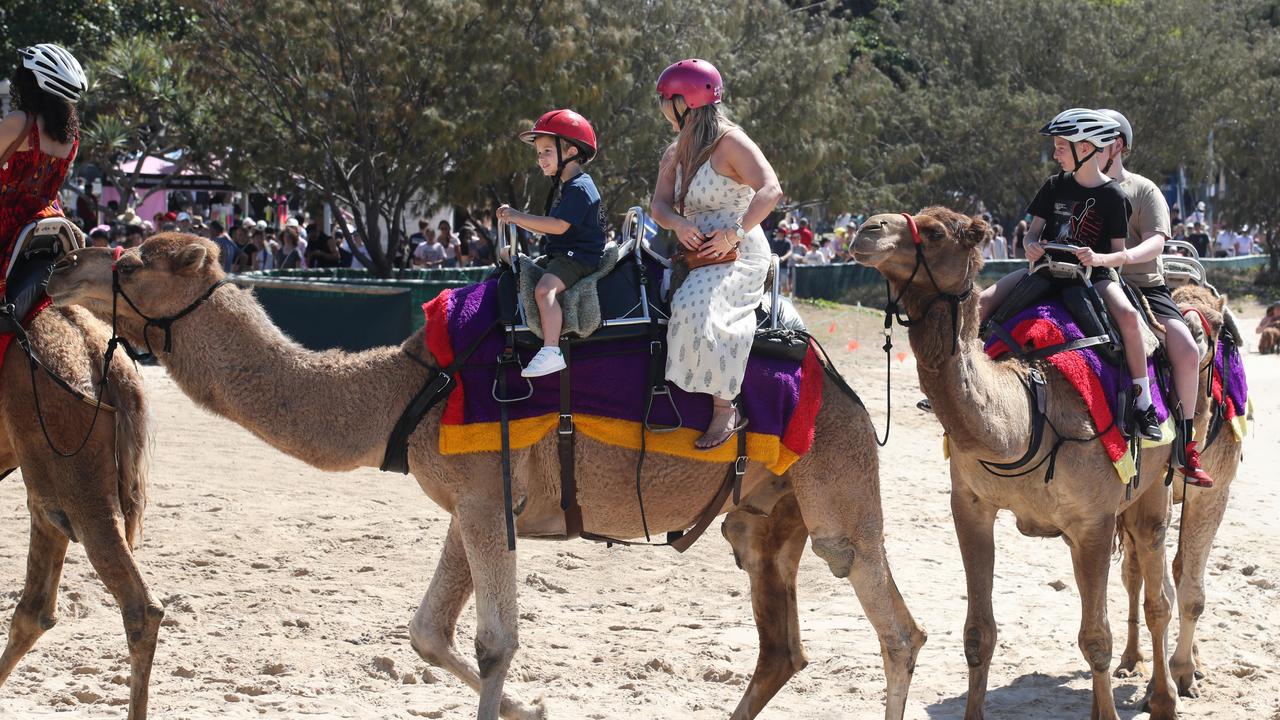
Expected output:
(349, 309)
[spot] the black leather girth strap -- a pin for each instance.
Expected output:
(1037, 393)
(505, 361)
(565, 446)
(732, 485)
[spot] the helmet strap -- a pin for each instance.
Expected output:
(1080, 161)
(680, 116)
(561, 162)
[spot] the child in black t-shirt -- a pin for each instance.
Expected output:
(571, 224)
(1084, 208)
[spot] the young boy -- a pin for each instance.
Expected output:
(1081, 206)
(565, 141)
(1139, 263)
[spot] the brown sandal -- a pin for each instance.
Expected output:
(740, 423)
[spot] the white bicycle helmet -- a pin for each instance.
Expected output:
(1083, 125)
(57, 71)
(1126, 130)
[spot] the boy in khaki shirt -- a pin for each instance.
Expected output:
(1148, 229)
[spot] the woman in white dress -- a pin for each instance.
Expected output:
(731, 188)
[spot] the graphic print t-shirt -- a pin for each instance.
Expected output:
(1078, 215)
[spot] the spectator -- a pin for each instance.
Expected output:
(481, 248)
(430, 254)
(246, 250)
(227, 248)
(290, 250)
(321, 252)
(184, 222)
(100, 236)
(444, 233)
(1197, 217)
(87, 206)
(1198, 238)
(1019, 235)
(781, 246)
(416, 239)
(998, 247)
(466, 236)
(1244, 242)
(816, 256)
(133, 236)
(805, 235)
(264, 256)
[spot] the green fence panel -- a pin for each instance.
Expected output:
(337, 317)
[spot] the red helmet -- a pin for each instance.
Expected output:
(697, 81)
(565, 124)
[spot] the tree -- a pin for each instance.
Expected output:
(86, 28)
(140, 105)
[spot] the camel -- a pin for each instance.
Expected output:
(95, 496)
(231, 359)
(983, 406)
(1201, 516)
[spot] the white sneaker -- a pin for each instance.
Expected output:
(548, 360)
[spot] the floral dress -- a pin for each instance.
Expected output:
(713, 313)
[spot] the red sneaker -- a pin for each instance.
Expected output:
(1191, 470)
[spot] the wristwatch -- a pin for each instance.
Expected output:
(738, 231)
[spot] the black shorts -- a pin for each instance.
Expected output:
(1161, 302)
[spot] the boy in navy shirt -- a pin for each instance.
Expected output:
(565, 141)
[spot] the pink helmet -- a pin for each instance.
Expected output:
(697, 81)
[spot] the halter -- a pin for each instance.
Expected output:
(164, 323)
(892, 311)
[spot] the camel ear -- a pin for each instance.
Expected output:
(191, 259)
(977, 233)
(1222, 303)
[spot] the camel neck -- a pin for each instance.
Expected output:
(333, 410)
(980, 403)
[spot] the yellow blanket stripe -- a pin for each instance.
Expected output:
(486, 437)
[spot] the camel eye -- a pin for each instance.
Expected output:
(124, 268)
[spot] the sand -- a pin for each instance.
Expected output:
(288, 591)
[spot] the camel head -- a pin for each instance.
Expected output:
(162, 276)
(951, 241)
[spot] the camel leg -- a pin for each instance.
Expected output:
(769, 547)
(431, 633)
(975, 530)
(1201, 515)
(111, 558)
(1091, 557)
(848, 533)
(1131, 660)
(37, 609)
(493, 575)
(1148, 520)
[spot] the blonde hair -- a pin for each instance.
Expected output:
(703, 129)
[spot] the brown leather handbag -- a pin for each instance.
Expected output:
(694, 261)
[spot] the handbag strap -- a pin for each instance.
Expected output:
(26, 128)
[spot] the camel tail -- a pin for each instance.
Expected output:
(133, 448)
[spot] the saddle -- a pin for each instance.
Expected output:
(632, 306)
(39, 245)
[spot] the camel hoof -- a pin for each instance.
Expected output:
(1129, 671)
(1199, 675)
(1188, 690)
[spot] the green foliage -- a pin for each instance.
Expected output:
(86, 27)
(139, 105)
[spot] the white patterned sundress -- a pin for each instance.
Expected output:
(713, 318)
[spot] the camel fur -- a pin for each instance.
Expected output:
(1201, 515)
(231, 359)
(96, 496)
(983, 406)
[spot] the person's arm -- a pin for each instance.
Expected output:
(746, 164)
(533, 223)
(11, 128)
(1031, 247)
(662, 204)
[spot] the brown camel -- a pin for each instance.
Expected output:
(1201, 515)
(983, 406)
(95, 496)
(229, 357)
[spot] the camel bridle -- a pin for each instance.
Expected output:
(894, 311)
(164, 323)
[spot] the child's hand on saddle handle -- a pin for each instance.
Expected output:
(1034, 250)
(1089, 258)
(689, 236)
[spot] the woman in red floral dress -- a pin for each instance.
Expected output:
(43, 134)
